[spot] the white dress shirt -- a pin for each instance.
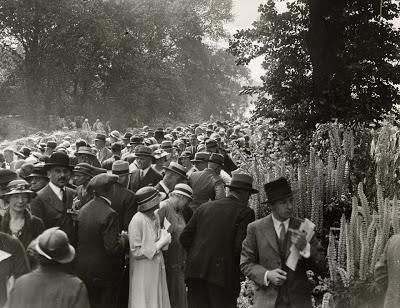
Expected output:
(57, 190)
(305, 253)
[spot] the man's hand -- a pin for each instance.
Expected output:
(277, 277)
(298, 239)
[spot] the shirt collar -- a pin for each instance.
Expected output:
(56, 189)
(277, 224)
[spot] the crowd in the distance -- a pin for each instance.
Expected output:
(145, 219)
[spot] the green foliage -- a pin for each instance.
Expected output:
(129, 61)
(323, 61)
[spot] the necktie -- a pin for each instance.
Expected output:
(63, 195)
(282, 239)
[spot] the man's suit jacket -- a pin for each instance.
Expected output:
(53, 211)
(123, 202)
(151, 178)
(213, 239)
(260, 252)
(104, 154)
(107, 164)
(100, 250)
(207, 185)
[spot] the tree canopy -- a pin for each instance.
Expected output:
(126, 60)
(324, 60)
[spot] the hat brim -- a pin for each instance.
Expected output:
(52, 165)
(17, 192)
(182, 193)
(85, 153)
(251, 190)
(67, 259)
(37, 175)
(176, 172)
(152, 203)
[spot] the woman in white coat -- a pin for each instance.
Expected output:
(147, 283)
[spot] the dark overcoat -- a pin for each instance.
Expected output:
(123, 202)
(151, 178)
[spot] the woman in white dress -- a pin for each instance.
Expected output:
(147, 283)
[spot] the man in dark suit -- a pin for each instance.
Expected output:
(100, 250)
(174, 174)
(116, 149)
(145, 175)
(123, 200)
(213, 239)
(267, 247)
(208, 184)
(54, 202)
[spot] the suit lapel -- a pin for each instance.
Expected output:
(54, 201)
(270, 234)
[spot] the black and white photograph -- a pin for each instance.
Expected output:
(199, 154)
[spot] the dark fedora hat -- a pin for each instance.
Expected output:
(85, 150)
(201, 156)
(277, 190)
(136, 139)
(38, 171)
(242, 181)
(84, 168)
(148, 197)
(127, 136)
(58, 159)
(177, 168)
(217, 159)
(7, 176)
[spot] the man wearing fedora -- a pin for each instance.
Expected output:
(213, 240)
(103, 152)
(116, 149)
(100, 250)
(38, 178)
(123, 199)
(208, 184)
(267, 247)
(53, 202)
(174, 174)
(85, 154)
(145, 175)
(200, 161)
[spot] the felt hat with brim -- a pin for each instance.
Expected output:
(100, 137)
(58, 159)
(186, 154)
(211, 143)
(53, 244)
(166, 144)
(136, 140)
(51, 144)
(277, 190)
(38, 171)
(7, 176)
(102, 180)
(184, 190)
(18, 186)
(143, 151)
(242, 181)
(217, 158)
(120, 167)
(116, 147)
(177, 168)
(115, 134)
(85, 151)
(201, 156)
(84, 168)
(148, 198)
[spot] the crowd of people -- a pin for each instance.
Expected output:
(146, 219)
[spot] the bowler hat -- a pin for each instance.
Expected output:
(7, 176)
(148, 197)
(120, 167)
(53, 244)
(217, 159)
(177, 168)
(201, 156)
(102, 180)
(242, 181)
(18, 186)
(58, 159)
(277, 190)
(100, 137)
